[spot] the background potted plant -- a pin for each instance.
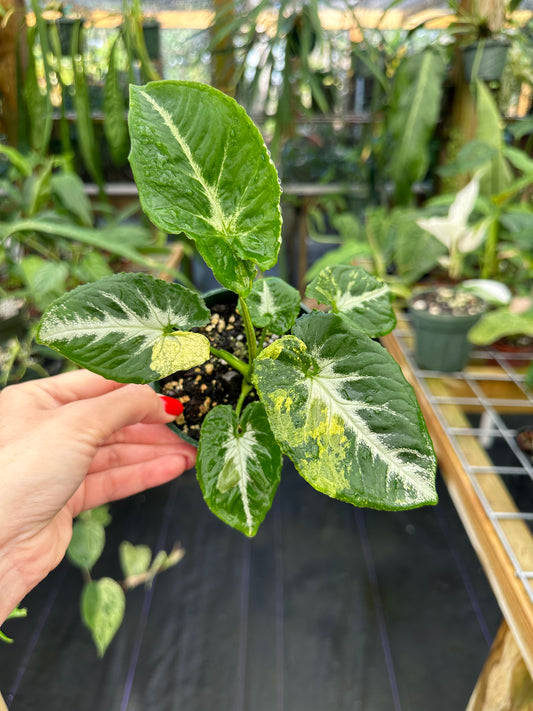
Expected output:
(484, 38)
(316, 387)
(443, 315)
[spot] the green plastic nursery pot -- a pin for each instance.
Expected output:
(151, 34)
(485, 60)
(441, 340)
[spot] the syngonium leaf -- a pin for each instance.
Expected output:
(201, 167)
(87, 543)
(102, 609)
(341, 409)
(273, 304)
(360, 299)
(238, 466)
(129, 327)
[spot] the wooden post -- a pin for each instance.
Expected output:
(504, 683)
(12, 33)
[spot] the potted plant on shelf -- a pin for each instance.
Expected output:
(316, 387)
(443, 315)
(484, 38)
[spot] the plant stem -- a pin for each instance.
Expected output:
(249, 330)
(236, 363)
(246, 388)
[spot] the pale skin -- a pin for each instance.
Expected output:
(69, 443)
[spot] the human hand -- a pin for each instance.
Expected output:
(69, 443)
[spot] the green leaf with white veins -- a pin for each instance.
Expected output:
(273, 304)
(238, 466)
(359, 298)
(340, 407)
(129, 327)
(202, 167)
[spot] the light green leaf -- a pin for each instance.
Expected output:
(68, 187)
(360, 299)
(45, 279)
(134, 560)
(102, 610)
(129, 328)
(238, 466)
(490, 131)
(416, 104)
(201, 167)
(93, 266)
(273, 304)
(341, 409)
(100, 514)
(500, 323)
(86, 544)
(115, 125)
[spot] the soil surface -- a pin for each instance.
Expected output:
(214, 382)
(448, 301)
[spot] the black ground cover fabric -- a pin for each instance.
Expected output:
(329, 608)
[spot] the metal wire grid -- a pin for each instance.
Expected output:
(491, 425)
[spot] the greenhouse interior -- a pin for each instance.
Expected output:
(266, 295)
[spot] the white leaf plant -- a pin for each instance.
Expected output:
(454, 231)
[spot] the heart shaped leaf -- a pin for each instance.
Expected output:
(362, 300)
(201, 167)
(340, 407)
(274, 304)
(134, 560)
(87, 543)
(128, 327)
(239, 485)
(102, 610)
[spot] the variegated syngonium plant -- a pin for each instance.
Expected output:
(328, 395)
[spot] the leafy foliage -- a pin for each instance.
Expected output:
(330, 397)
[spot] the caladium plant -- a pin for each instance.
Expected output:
(328, 395)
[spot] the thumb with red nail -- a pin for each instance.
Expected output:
(70, 443)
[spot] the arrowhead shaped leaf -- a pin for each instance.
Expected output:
(201, 167)
(128, 327)
(274, 304)
(340, 407)
(238, 485)
(359, 298)
(102, 610)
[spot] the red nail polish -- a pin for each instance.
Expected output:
(172, 406)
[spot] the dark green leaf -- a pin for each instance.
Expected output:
(340, 407)
(238, 466)
(129, 327)
(201, 167)
(361, 300)
(273, 304)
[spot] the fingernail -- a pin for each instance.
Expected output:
(172, 406)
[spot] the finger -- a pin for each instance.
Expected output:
(119, 455)
(142, 433)
(100, 417)
(61, 389)
(122, 482)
